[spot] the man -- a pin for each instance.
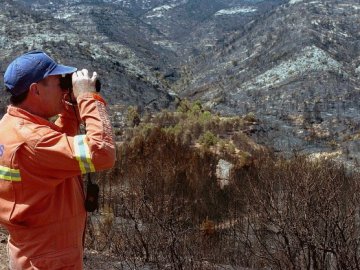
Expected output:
(41, 193)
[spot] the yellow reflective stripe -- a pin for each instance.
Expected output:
(9, 174)
(82, 154)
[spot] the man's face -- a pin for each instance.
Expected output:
(51, 96)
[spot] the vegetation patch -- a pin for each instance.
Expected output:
(162, 205)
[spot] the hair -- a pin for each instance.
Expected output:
(17, 100)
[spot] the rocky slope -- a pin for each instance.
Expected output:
(136, 46)
(296, 69)
(127, 77)
(293, 63)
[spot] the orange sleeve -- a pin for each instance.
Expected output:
(57, 155)
(99, 132)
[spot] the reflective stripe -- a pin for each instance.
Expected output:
(82, 154)
(9, 174)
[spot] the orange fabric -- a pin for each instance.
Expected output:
(41, 193)
(99, 98)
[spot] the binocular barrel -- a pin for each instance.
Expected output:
(66, 83)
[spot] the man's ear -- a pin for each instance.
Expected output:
(33, 89)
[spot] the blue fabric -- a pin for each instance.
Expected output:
(30, 68)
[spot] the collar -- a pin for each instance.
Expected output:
(21, 113)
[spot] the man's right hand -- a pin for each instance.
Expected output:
(82, 83)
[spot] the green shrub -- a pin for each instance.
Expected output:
(184, 106)
(250, 117)
(208, 139)
(132, 116)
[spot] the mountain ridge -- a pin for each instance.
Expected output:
(294, 64)
(299, 62)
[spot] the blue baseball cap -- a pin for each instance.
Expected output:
(30, 68)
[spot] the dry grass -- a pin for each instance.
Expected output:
(162, 205)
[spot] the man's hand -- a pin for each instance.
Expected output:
(82, 83)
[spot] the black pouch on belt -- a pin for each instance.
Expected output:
(92, 196)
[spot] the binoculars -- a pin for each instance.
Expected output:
(66, 83)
